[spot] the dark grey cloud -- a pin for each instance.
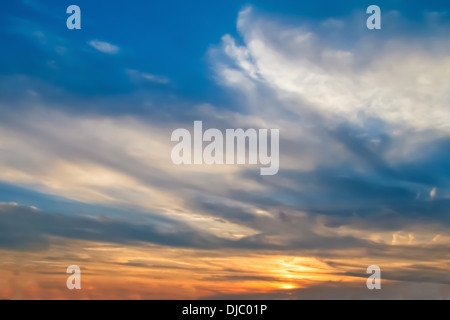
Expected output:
(395, 290)
(412, 273)
(24, 228)
(29, 229)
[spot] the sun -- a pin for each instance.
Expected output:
(287, 286)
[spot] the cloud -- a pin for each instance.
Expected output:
(340, 168)
(433, 193)
(364, 133)
(104, 46)
(401, 84)
(28, 228)
(343, 291)
(137, 75)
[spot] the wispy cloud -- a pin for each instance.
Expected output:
(139, 76)
(104, 46)
(364, 132)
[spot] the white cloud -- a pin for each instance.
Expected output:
(433, 193)
(400, 83)
(138, 75)
(104, 47)
(115, 161)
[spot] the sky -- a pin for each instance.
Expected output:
(86, 176)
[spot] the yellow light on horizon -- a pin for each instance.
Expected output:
(287, 286)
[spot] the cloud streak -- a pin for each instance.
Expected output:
(364, 175)
(104, 46)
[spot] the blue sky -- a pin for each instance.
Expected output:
(363, 115)
(155, 38)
